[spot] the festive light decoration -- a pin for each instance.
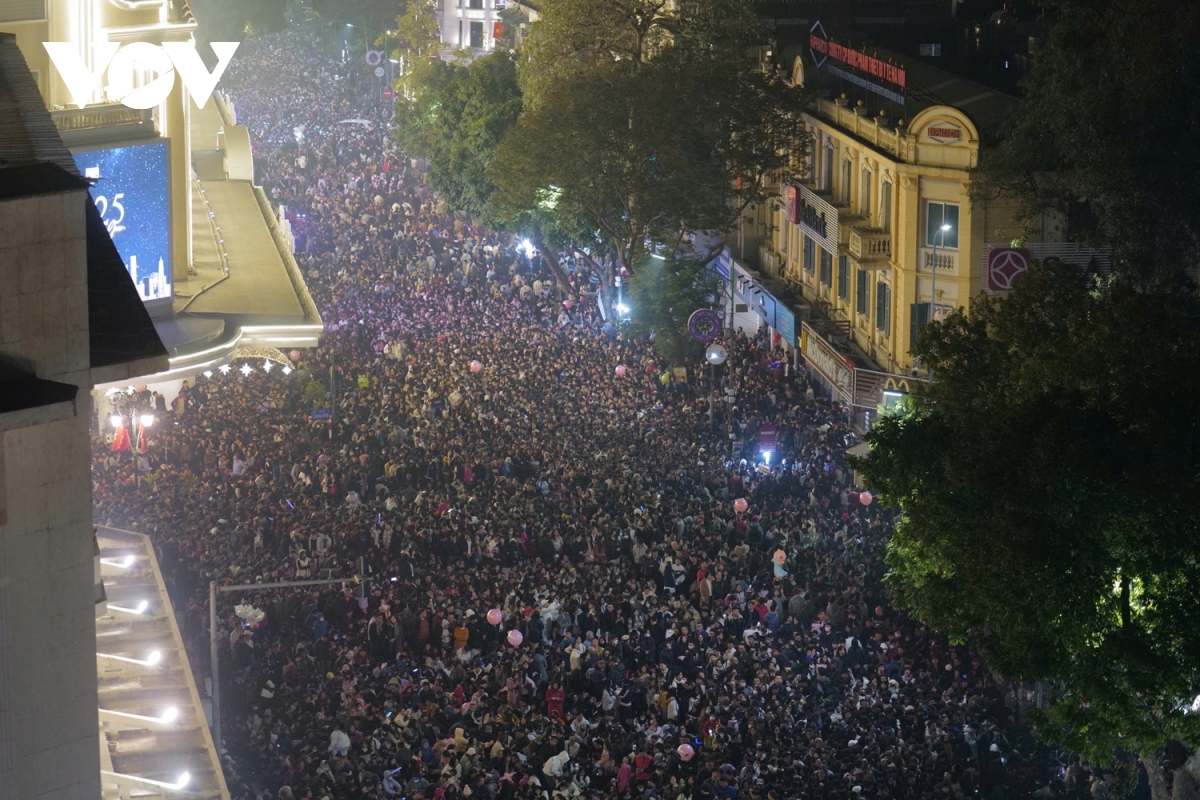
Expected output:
(225, 369)
(246, 369)
(267, 366)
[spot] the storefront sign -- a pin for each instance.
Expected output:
(873, 389)
(1004, 266)
(944, 133)
(822, 48)
(817, 218)
(813, 219)
(833, 366)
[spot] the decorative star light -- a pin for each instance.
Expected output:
(208, 373)
(267, 366)
(225, 369)
(247, 369)
(287, 370)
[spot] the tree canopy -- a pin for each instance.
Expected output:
(235, 20)
(1047, 482)
(1110, 116)
(663, 293)
(645, 119)
(456, 121)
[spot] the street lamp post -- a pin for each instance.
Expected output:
(933, 272)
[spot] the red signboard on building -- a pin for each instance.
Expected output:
(823, 47)
(1004, 266)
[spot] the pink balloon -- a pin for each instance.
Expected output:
(494, 616)
(476, 366)
(865, 498)
(567, 304)
(294, 355)
(740, 505)
(515, 638)
(621, 370)
(686, 751)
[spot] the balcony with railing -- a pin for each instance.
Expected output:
(947, 260)
(870, 246)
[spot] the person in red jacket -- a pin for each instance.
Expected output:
(641, 765)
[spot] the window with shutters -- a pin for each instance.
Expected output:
(826, 268)
(918, 318)
(847, 179)
(864, 197)
(843, 286)
(827, 170)
(862, 293)
(810, 255)
(883, 308)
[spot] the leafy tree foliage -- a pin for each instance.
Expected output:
(663, 293)
(236, 20)
(1048, 482)
(376, 15)
(456, 121)
(1111, 115)
(644, 119)
(418, 42)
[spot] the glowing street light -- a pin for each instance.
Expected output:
(116, 420)
(147, 420)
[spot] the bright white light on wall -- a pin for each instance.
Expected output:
(267, 366)
(169, 714)
(287, 370)
(246, 369)
(208, 373)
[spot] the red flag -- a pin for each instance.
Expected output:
(120, 439)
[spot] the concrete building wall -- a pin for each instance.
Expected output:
(48, 720)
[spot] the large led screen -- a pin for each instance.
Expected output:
(131, 193)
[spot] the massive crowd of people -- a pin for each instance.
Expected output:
(485, 459)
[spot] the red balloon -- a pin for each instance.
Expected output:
(740, 505)
(494, 616)
(515, 637)
(865, 498)
(476, 366)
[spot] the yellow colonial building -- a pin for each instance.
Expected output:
(881, 228)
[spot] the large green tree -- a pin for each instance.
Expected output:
(456, 122)
(1048, 484)
(645, 119)
(236, 20)
(1111, 116)
(663, 293)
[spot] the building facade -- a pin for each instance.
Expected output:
(472, 25)
(70, 317)
(218, 274)
(881, 231)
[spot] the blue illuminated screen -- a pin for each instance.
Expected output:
(130, 191)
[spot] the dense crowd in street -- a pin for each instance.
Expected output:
(486, 456)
